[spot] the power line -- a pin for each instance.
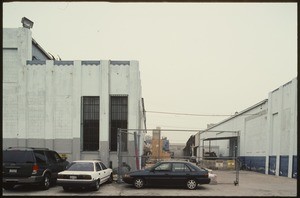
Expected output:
(186, 114)
(204, 115)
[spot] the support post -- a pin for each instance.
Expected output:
(136, 151)
(119, 155)
(237, 162)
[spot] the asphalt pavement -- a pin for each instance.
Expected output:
(250, 184)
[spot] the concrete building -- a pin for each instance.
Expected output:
(74, 107)
(157, 148)
(264, 136)
(176, 150)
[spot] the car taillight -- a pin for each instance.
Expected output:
(84, 177)
(35, 169)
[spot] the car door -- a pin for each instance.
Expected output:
(99, 172)
(180, 173)
(160, 175)
(105, 170)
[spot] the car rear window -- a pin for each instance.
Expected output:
(17, 156)
(81, 166)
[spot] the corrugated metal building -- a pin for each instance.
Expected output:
(73, 107)
(265, 134)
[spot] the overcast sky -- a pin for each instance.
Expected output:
(194, 58)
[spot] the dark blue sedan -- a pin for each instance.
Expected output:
(175, 173)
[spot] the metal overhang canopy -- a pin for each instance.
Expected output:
(220, 138)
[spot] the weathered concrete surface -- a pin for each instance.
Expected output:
(250, 184)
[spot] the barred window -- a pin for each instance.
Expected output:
(118, 119)
(90, 122)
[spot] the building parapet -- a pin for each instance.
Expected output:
(63, 62)
(71, 63)
(90, 62)
(36, 62)
(119, 62)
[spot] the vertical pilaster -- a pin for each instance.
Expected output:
(49, 82)
(104, 81)
(24, 45)
(76, 111)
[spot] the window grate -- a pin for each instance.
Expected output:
(118, 119)
(90, 122)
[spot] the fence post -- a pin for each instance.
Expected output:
(119, 155)
(140, 153)
(136, 151)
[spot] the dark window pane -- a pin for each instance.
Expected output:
(90, 123)
(118, 119)
(17, 156)
(40, 156)
(81, 166)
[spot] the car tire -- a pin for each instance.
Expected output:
(139, 183)
(110, 179)
(191, 184)
(45, 184)
(97, 185)
(8, 186)
(66, 188)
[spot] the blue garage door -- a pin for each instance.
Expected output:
(272, 165)
(294, 174)
(284, 166)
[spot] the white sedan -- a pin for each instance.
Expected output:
(84, 173)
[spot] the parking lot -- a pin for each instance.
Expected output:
(250, 184)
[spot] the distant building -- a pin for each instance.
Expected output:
(176, 150)
(72, 106)
(264, 136)
(157, 150)
(190, 149)
(165, 144)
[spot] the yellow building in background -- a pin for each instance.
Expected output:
(157, 146)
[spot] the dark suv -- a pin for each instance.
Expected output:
(31, 166)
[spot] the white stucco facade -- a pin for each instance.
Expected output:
(267, 134)
(42, 99)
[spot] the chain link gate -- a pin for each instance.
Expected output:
(129, 153)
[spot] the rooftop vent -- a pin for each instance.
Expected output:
(27, 23)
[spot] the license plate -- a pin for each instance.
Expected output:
(73, 177)
(13, 170)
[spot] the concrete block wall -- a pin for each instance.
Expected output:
(42, 99)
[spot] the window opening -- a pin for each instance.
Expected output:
(118, 119)
(90, 122)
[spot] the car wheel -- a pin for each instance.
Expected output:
(66, 188)
(45, 184)
(110, 179)
(191, 184)
(139, 183)
(97, 185)
(8, 186)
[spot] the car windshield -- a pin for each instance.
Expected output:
(81, 166)
(17, 156)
